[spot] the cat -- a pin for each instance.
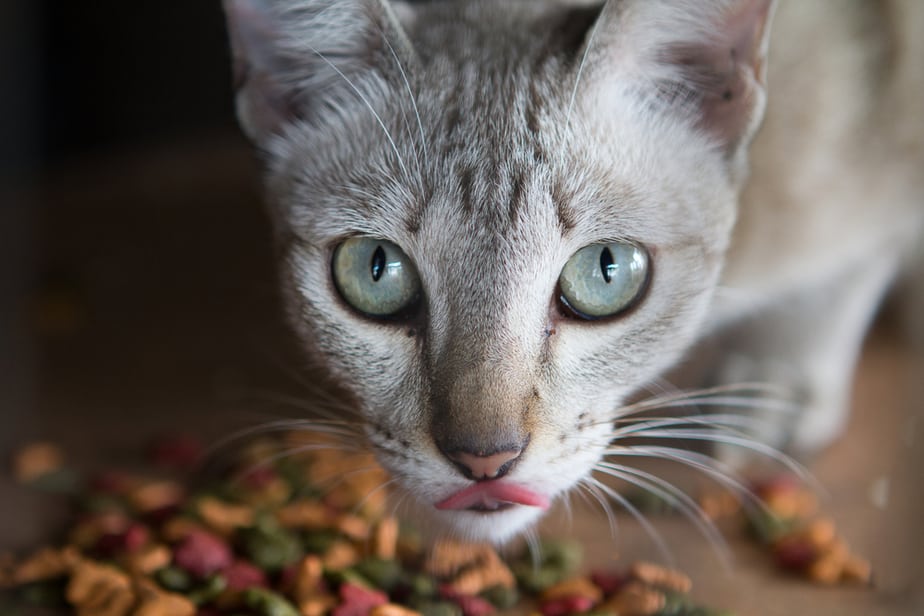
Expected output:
(499, 221)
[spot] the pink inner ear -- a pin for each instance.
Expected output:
(726, 73)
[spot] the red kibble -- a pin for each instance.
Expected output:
(202, 554)
(566, 605)
(778, 484)
(794, 553)
(358, 600)
(242, 575)
(610, 582)
(474, 606)
(470, 605)
(179, 452)
(112, 482)
(136, 537)
(259, 477)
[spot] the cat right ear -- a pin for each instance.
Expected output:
(296, 59)
(703, 59)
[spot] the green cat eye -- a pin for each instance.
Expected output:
(602, 280)
(375, 276)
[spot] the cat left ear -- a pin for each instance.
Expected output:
(702, 58)
(299, 59)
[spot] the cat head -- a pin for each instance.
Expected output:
(498, 220)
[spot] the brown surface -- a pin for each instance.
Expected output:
(157, 312)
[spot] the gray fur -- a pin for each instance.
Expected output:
(491, 140)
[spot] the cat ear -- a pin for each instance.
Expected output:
(703, 58)
(294, 59)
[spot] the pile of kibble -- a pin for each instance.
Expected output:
(789, 524)
(291, 535)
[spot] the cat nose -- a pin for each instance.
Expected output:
(480, 466)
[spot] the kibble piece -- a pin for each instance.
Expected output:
(223, 517)
(202, 554)
(635, 599)
(385, 539)
(149, 559)
(317, 605)
(353, 526)
(661, 577)
(36, 460)
(857, 569)
(156, 495)
(99, 590)
(340, 555)
(305, 515)
(46, 564)
(393, 609)
(154, 601)
(307, 578)
(573, 587)
(268, 603)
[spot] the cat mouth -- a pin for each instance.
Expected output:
(491, 496)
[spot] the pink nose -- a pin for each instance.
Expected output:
(486, 467)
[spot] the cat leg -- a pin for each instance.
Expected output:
(808, 343)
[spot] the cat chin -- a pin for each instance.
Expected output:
(496, 527)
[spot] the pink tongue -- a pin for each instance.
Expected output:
(492, 494)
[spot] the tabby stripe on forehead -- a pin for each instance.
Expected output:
(517, 191)
(561, 200)
(466, 179)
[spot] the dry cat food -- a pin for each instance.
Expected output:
(295, 535)
(798, 538)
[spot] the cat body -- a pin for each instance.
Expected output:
(499, 221)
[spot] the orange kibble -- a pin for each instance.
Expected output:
(385, 539)
(307, 580)
(821, 533)
(661, 577)
(339, 556)
(635, 599)
(35, 460)
(353, 526)
(304, 515)
(573, 587)
(224, 517)
(857, 569)
(317, 605)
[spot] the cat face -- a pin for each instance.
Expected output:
(497, 220)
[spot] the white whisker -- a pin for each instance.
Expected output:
(375, 114)
(675, 497)
(650, 530)
(407, 83)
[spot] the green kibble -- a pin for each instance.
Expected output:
(438, 608)
(384, 574)
(268, 603)
(563, 555)
(47, 593)
(318, 542)
(422, 587)
(173, 578)
(270, 548)
(767, 527)
(501, 597)
(59, 481)
(207, 592)
(537, 579)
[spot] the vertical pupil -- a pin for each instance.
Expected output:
(606, 264)
(378, 263)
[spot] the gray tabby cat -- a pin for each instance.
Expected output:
(499, 220)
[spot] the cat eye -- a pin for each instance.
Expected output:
(602, 280)
(375, 276)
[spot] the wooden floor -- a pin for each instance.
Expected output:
(149, 306)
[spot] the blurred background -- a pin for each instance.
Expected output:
(136, 279)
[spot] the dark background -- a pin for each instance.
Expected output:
(81, 78)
